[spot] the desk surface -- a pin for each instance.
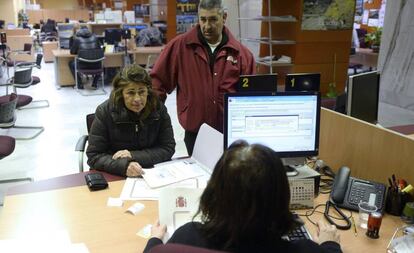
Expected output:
(87, 219)
(137, 50)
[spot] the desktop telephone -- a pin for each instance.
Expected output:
(347, 191)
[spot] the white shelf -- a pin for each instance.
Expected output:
(270, 42)
(287, 19)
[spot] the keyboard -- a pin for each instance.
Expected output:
(299, 233)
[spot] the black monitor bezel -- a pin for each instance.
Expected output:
(256, 94)
(350, 95)
(111, 32)
(287, 85)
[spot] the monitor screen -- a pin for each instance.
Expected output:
(266, 82)
(141, 10)
(113, 35)
(363, 92)
(302, 82)
(287, 122)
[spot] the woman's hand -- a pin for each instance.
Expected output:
(122, 154)
(158, 230)
(134, 170)
(326, 233)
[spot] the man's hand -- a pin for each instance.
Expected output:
(134, 170)
(122, 154)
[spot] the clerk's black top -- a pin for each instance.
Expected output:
(190, 234)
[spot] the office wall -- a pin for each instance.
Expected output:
(59, 4)
(9, 9)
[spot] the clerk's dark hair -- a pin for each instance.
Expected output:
(246, 201)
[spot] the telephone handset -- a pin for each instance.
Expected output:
(347, 191)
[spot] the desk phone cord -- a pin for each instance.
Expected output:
(330, 203)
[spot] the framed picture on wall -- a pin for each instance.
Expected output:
(328, 14)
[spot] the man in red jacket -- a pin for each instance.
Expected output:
(203, 64)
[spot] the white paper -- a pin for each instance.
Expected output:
(177, 206)
(171, 173)
(129, 16)
(137, 189)
(145, 232)
(136, 208)
(365, 17)
(117, 202)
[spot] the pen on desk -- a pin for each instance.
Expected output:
(354, 225)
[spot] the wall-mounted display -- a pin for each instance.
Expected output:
(328, 14)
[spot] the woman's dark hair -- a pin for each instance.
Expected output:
(246, 201)
(138, 75)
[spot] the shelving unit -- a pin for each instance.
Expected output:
(270, 40)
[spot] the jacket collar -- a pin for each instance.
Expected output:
(192, 38)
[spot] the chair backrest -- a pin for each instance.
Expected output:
(22, 77)
(7, 145)
(180, 248)
(89, 121)
(27, 47)
(91, 55)
(7, 109)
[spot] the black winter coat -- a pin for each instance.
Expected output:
(84, 40)
(150, 141)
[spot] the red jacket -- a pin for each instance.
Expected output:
(183, 63)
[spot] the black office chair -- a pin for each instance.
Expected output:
(90, 62)
(81, 144)
(8, 105)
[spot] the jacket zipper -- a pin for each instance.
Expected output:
(136, 128)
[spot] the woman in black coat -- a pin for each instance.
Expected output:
(132, 129)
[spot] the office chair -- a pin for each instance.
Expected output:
(81, 144)
(7, 145)
(90, 62)
(8, 117)
(180, 248)
(23, 79)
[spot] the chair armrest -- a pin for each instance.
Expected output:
(80, 145)
(86, 60)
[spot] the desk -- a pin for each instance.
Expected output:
(88, 220)
(48, 46)
(364, 56)
(140, 54)
(63, 76)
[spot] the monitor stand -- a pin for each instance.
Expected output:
(291, 164)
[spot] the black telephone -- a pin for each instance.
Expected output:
(347, 191)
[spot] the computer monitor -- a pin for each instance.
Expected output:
(363, 93)
(288, 122)
(113, 35)
(141, 10)
(263, 83)
(302, 82)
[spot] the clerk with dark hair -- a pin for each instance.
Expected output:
(245, 208)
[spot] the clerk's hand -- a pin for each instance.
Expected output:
(158, 230)
(326, 233)
(122, 154)
(134, 170)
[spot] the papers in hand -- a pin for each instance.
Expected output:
(171, 173)
(177, 206)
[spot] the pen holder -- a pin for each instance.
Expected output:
(395, 201)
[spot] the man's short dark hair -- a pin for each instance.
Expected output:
(211, 4)
(246, 201)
